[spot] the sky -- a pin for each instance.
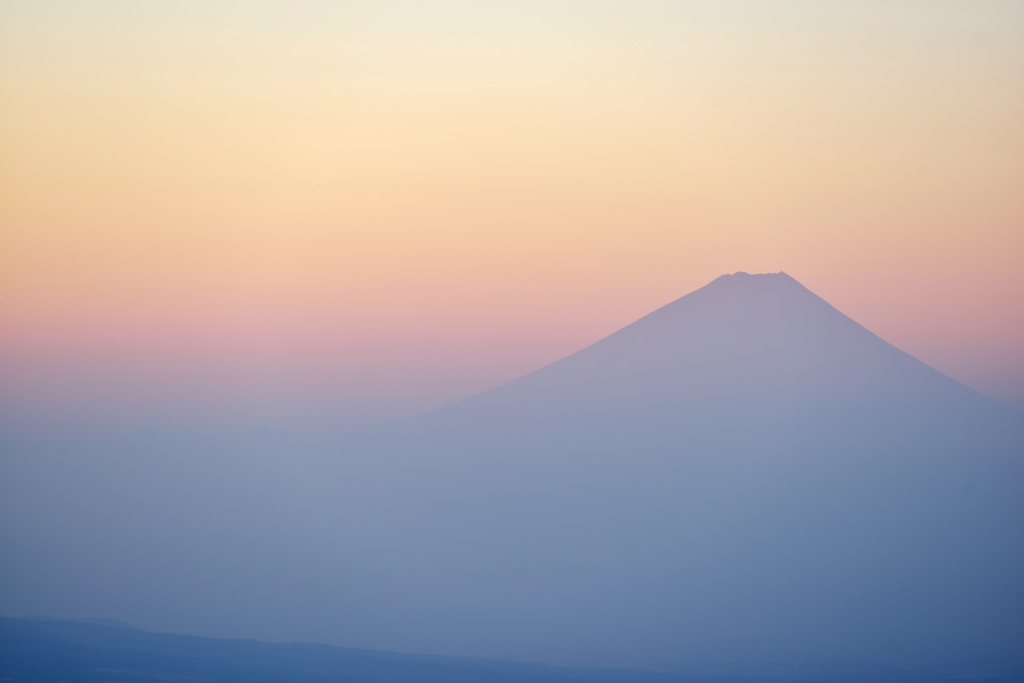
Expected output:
(312, 215)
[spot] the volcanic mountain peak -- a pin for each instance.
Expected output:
(741, 334)
(744, 457)
(737, 304)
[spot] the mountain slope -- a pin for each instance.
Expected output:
(741, 339)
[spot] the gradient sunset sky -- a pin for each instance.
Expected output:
(226, 215)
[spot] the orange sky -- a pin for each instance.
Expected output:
(306, 212)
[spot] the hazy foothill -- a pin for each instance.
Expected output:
(745, 475)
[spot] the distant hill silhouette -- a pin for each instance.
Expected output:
(53, 651)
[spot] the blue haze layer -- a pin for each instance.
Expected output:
(744, 475)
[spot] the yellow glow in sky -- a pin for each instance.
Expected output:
(327, 205)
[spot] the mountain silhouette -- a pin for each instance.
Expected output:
(744, 340)
(744, 473)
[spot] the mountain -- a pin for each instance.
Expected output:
(743, 478)
(743, 473)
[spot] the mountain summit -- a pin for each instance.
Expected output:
(738, 336)
(760, 353)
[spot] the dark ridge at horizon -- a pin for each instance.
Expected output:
(48, 650)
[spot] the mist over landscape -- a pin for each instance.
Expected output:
(442, 341)
(744, 475)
